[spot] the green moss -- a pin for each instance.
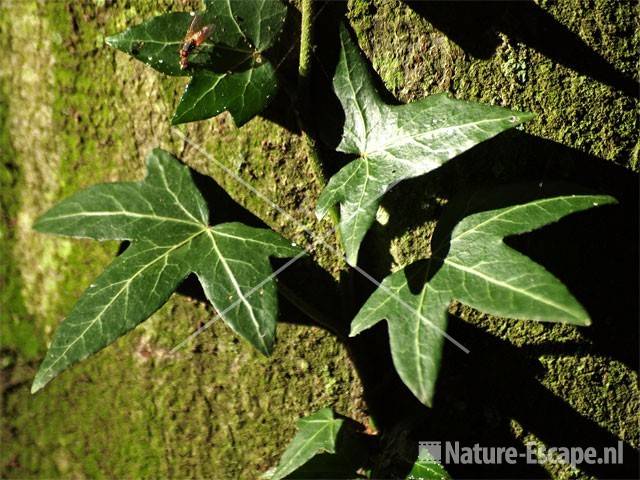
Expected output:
(215, 408)
(16, 330)
(80, 113)
(571, 109)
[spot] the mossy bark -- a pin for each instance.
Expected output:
(74, 112)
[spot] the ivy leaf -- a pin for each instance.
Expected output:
(395, 142)
(156, 42)
(476, 268)
(428, 470)
(166, 219)
(230, 71)
(317, 433)
(243, 94)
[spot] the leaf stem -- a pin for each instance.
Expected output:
(304, 76)
(304, 84)
(306, 34)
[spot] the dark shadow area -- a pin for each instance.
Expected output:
(475, 25)
(595, 253)
(283, 55)
(479, 392)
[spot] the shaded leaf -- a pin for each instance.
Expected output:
(395, 142)
(230, 71)
(317, 433)
(244, 94)
(166, 219)
(476, 268)
(428, 470)
(156, 42)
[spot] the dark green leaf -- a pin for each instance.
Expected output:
(317, 433)
(427, 467)
(394, 143)
(428, 470)
(243, 93)
(256, 22)
(167, 221)
(230, 70)
(480, 270)
(156, 42)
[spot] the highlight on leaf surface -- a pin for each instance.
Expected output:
(229, 69)
(166, 220)
(473, 265)
(323, 447)
(428, 469)
(317, 433)
(395, 142)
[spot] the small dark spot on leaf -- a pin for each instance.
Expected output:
(136, 47)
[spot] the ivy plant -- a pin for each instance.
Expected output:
(230, 71)
(317, 433)
(166, 219)
(476, 267)
(326, 447)
(395, 142)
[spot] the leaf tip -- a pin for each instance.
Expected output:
(37, 225)
(526, 116)
(427, 400)
(38, 383)
(351, 256)
(116, 41)
(40, 225)
(111, 40)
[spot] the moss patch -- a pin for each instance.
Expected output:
(414, 58)
(80, 113)
(74, 113)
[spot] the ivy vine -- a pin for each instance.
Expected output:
(168, 223)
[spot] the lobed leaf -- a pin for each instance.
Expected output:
(317, 433)
(395, 142)
(477, 268)
(230, 71)
(167, 221)
(428, 470)
(244, 94)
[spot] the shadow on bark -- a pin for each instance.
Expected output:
(475, 26)
(595, 253)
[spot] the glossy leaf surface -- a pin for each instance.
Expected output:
(166, 219)
(478, 269)
(317, 433)
(229, 70)
(395, 142)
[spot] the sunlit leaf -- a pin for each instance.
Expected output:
(395, 142)
(317, 433)
(478, 269)
(167, 221)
